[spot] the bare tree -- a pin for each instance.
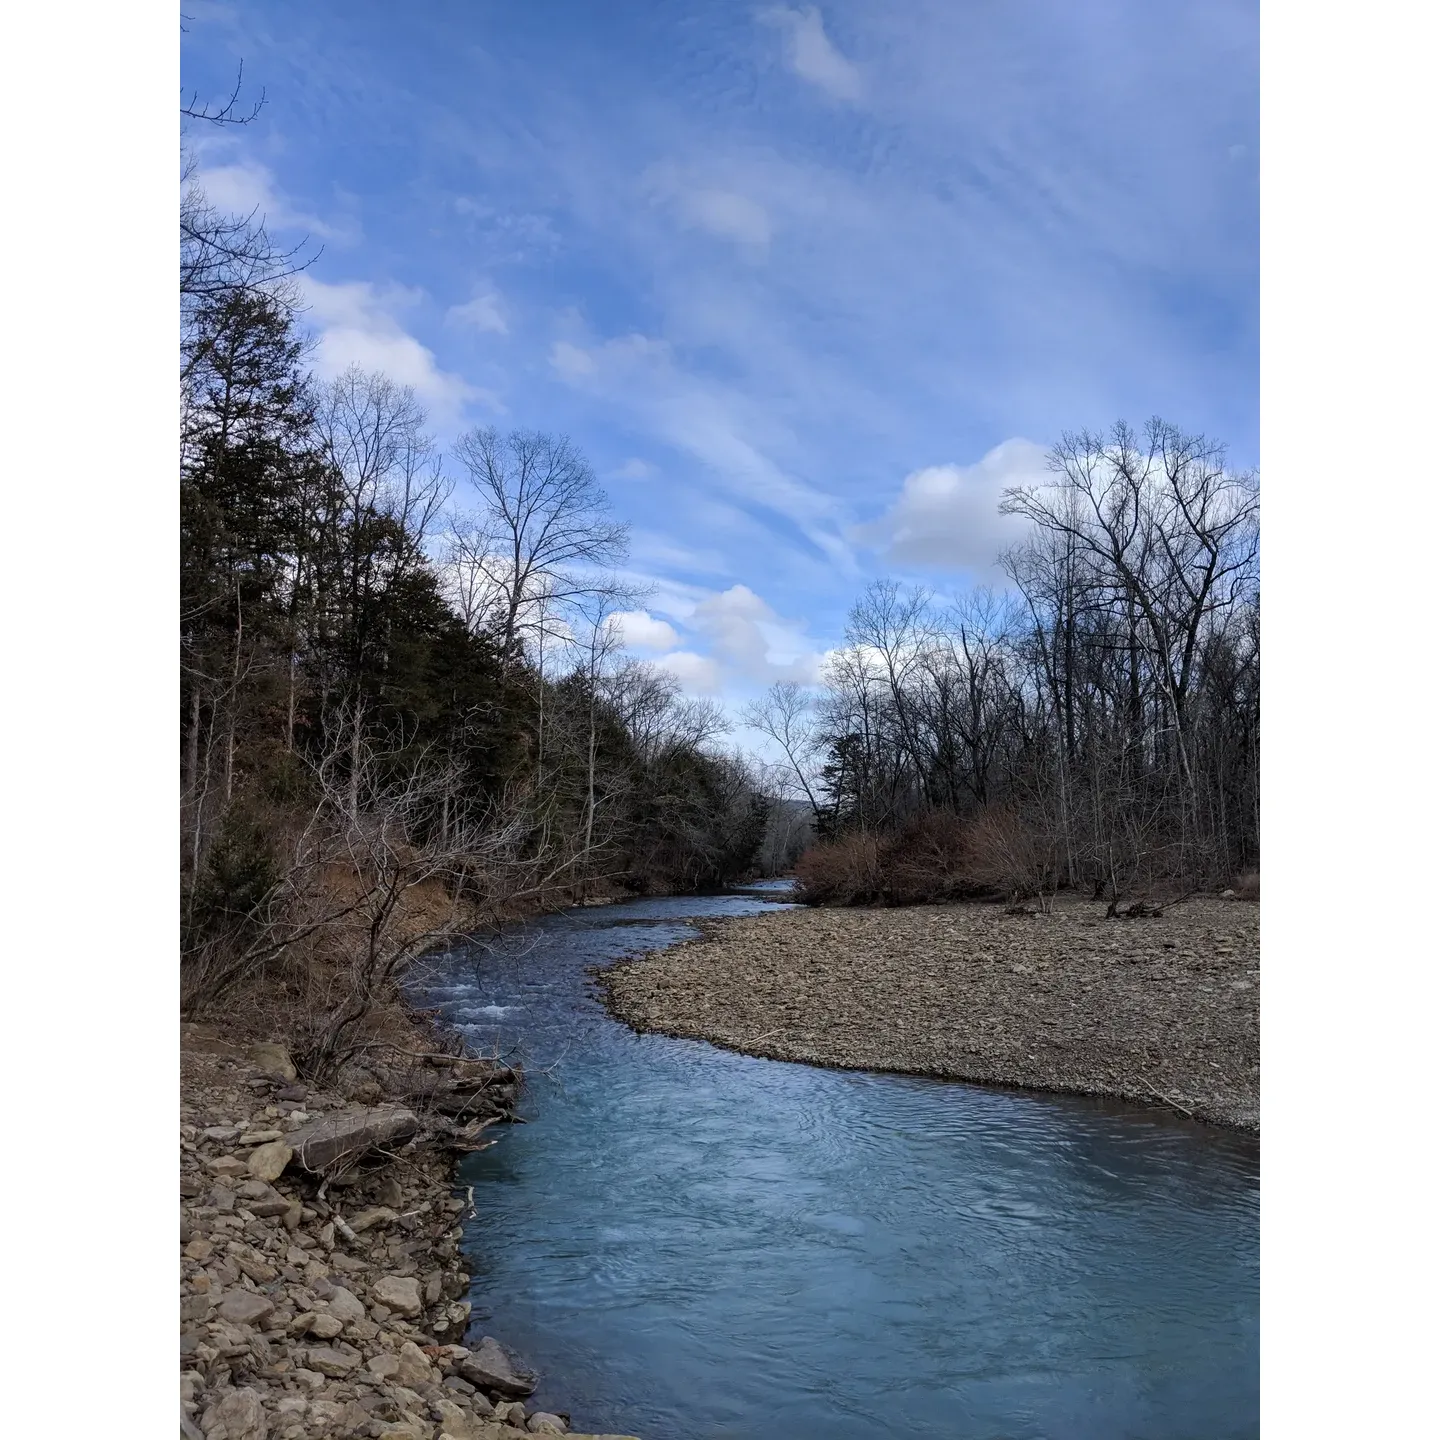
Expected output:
(785, 714)
(546, 531)
(387, 487)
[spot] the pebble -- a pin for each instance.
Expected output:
(292, 1330)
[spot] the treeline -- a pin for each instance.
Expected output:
(396, 714)
(1097, 728)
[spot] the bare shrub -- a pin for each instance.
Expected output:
(846, 871)
(1010, 855)
(1247, 886)
(931, 862)
(936, 859)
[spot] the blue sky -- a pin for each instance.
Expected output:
(809, 286)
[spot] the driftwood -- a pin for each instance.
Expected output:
(467, 1091)
(1139, 910)
(340, 1139)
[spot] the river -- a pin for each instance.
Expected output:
(691, 1244)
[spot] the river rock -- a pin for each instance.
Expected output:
(325, 1327)
(242, 1307)
(344, 1305)
(542, 1422)
(399, 1294)
(241, 1415)
(334, 1363)
(268, 1161)
(383, 1367)
(274, 1060)
(322, 1143)
(491, 1367)
(259, 1137)
(414, 1369)
(368, 1219)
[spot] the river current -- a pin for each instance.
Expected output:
(695, 1245)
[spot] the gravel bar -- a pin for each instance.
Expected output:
(1162, 1010)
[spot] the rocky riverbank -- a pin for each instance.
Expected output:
(1159, 1008)
(322, 1290)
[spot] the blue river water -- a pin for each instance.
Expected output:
(695, 1245)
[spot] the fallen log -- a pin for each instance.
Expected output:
(340, 1139)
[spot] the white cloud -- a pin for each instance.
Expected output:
(728, 215)
(639, 630)
(357, 326)
(571, 361)
(947, 517)
(697, 674)
(751, 641)
(811, 55)
(633, 468)
(246, 187)
(483, 313)
(706, 420)
(708, 202)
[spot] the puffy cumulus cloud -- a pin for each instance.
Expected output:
(751, 642)
(640, 630)
(357, 325)
(697, 674)
(246, 187)
(947, 517)
(811, 55)
(482, 313)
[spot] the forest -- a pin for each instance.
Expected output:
(399, 716)
(403, 715)
(1096, 727)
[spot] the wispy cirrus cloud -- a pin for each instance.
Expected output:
(707, 421)
(483, 313)
(248, 187)
(811, 54)
(789, 276)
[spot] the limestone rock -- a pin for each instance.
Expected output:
(368, 1219)
(241, 1307)
(237, 1415)
(383, 1367)
(414, 1369)
(272, 1059)
(343, 1305)
(267, 1162)
(400, 1294)
(459, 1423)
(491, 1367)
(334, 1363)
(542, 1422)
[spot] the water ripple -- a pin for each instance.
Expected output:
(694, 1244)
